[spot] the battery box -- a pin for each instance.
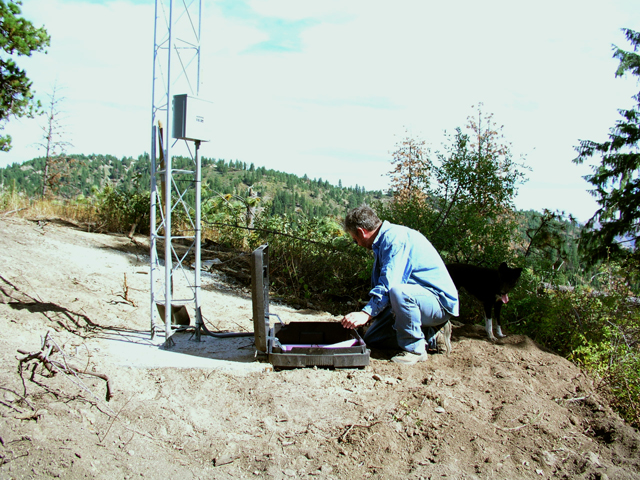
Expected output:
(299, 344)
(191, 118)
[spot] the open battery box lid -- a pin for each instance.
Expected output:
(299, 344)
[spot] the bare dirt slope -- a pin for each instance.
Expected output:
(507, 410)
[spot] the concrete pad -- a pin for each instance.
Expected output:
(135, 349)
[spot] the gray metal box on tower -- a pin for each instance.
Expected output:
(191, 118)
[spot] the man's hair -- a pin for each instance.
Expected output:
(363, 217)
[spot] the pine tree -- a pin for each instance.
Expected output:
(18, 37)
(613, 229)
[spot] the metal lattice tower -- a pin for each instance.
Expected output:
(175, 192)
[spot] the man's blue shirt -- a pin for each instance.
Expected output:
(404, 256)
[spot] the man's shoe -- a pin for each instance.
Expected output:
(443, 338)
(408, 358)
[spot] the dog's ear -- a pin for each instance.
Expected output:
(503, 267)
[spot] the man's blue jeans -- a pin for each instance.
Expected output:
(415, 308)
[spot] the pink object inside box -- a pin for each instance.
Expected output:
(345, 344)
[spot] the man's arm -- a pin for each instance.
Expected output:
(394, 264)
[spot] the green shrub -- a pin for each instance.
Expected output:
(597, 329)
(313, 262)
(616, 362)
(225, 219)
(119, 210)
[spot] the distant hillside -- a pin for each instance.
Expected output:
(86, 175)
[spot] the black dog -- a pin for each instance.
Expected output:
(488, 285)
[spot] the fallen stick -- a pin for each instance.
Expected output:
(342, 438)
(24, 399)
(54, 366)
(11, 406)
(14, 211)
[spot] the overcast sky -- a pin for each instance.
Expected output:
(327, 88)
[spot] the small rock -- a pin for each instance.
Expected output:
(439, 410)
(9, 397)
(289, 472)
(223, 460)
(377, 377)
(593, 459)
(549, 458)
(326, 469)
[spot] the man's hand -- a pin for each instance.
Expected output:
(355, 319)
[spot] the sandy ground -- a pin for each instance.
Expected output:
(213, 409)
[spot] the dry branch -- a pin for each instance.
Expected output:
(53, 366)
(22, 398)
(343, 438)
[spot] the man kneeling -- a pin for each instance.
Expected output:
(412, 288)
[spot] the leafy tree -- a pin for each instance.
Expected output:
(460, 198)
(614, 228)
(18, 37)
